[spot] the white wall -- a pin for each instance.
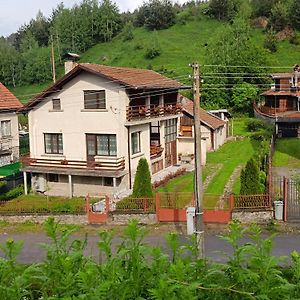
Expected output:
(73, 121)
(13, 140)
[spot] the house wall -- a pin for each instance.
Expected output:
(11, 142)
(74, 121)
(220, 137)
(186, 147)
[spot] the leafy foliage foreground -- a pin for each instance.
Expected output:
(135, 270)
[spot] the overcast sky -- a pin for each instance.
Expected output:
(14, 13)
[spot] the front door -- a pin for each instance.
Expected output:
(91, 145)
(170, 142)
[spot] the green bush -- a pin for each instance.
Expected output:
(152, 52)
(250, 181)
(255, 124)
(270, 42)
(134, 269)
(12, 194)
(142, 182)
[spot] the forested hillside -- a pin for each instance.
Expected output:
(232, 39)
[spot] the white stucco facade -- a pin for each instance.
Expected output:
(74, 122)
(9, 142)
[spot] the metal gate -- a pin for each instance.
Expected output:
(293, 200)
(287, 190)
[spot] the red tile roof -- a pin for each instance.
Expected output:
(208, 119)
(132, 77)
(7, 100)
(128, 77)
(280, 93)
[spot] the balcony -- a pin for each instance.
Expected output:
(272, 114)
(110, 164)
(155, 151)
(142, 112)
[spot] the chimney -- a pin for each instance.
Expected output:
(70, 61)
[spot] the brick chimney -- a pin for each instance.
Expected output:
(70, 61)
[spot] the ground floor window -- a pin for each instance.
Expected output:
(101, 144)
(136, 142)
(53, 143)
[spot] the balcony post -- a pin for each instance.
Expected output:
(25, 183)
(148, 106)
(114, 182)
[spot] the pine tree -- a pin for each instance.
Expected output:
(142, 182)
(250, 181)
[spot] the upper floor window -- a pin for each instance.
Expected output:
(53, 143)
(5, 128)
(94, 100)
(136, 142)
(101, 144)
(56, 105)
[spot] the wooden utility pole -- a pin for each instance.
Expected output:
(198, 186)
(53, 60)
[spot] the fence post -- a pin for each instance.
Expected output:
(231, 202)
(87, 203)
(285, 198)
(157, 206)
(107, 206)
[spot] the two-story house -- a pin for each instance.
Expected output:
(89, 129)
(9, 129)
(281, 105)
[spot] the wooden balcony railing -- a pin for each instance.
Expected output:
(101, 164)
(155, 151)
(141, 112)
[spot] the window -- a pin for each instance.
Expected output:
(56, 104)
(53, 178)
(94, 100)
(171, 130)
(108, 181)
(101, 144)
(136, 142)
(5, 128)
(53, 143)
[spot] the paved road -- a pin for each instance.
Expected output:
(284, 244)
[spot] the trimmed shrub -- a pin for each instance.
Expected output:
(250, 181)
(142, 182)
(12, 194)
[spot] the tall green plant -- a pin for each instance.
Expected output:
(142, 182)
(250, 182)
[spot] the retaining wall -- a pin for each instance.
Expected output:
(259, 216)
(39, 219)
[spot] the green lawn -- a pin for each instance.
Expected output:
(39, 203)
(232, 154)
(287, 153)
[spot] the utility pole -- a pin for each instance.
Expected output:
(53, 60)
(198, 186)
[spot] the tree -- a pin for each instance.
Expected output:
(270, 42)
(224, 9)
(243, 95)
(262, 8)
(295, 14)
(250, 179)
(156, 14)
(128, 32)
(142, 182)
(231, 46)
(279, 17)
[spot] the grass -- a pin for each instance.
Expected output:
(287, 153)
(43, 204)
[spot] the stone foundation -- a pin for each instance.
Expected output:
(39, 219)
(260, 217)
(123, 218)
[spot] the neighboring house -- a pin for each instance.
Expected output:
(89, 130)
(281, 105)
(9, 130)
(213, 130)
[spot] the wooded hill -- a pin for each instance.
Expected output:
(229, 33)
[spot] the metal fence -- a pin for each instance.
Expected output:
(144, 205)
(252, 201)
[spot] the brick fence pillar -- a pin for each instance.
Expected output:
(157, 206)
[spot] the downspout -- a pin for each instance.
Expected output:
(129, 158)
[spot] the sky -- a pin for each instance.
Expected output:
(15, 13)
